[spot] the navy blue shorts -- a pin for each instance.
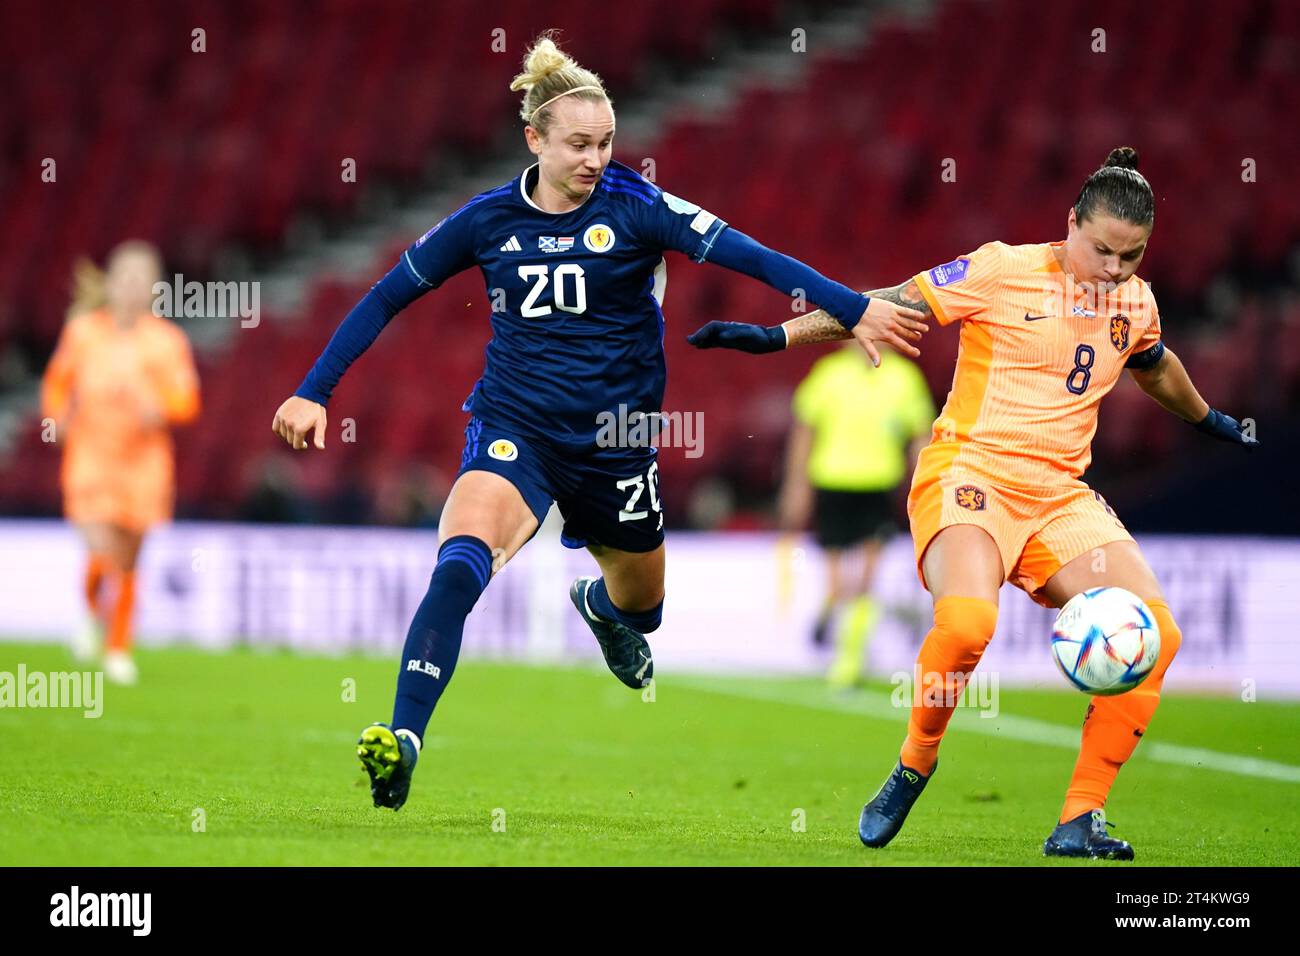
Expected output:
(608, 497)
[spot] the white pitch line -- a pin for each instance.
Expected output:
(1004, 726)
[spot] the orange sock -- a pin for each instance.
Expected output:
(963, 627)
(119, 629)
(95, 567)
(1114, 725)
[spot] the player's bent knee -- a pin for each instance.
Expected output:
(464, 569)
(963, 560)
(491, 510)
(965, 624)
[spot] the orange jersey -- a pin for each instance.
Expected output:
(112, 393)
(1036, 357)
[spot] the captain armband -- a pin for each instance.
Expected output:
(1147, 358)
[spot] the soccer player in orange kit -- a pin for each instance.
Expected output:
(118, 379)
(1046, 330)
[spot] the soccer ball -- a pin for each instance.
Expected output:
(1105, 641)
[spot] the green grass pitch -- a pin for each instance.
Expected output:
(538, 766)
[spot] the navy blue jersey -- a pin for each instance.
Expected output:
(575, 299)
(577, 324)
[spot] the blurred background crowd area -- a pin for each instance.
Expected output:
(810, 126)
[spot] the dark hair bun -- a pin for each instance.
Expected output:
(1123, 156)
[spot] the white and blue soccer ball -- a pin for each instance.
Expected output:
(1105, 641)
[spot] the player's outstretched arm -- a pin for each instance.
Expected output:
(304, 411)
(443, 251)
(895, 316)
(1166, 380)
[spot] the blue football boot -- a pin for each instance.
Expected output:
(883, 817)
(627, 653)
(390, 759)
(1085, 836)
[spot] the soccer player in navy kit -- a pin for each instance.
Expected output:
(572, 258)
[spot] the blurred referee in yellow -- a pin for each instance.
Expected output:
(857, 431)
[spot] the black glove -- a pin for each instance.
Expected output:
(755, 339)
(1225, 428)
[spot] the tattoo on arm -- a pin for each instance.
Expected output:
(821, 326)
(905, 294)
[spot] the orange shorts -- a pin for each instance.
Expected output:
(119, 494)
(1037, 532)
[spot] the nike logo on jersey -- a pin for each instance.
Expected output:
(512, 245)
(1035, 318)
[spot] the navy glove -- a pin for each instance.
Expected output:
(1225, 428)
(755, 339)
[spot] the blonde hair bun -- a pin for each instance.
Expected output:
(543, 59)
(548, 74)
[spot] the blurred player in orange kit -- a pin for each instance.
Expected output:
(118, 379)
(1046, 331)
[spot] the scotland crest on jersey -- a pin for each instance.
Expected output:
(598, 238)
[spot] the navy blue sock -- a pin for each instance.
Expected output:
(643, 621)
(433, 642)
